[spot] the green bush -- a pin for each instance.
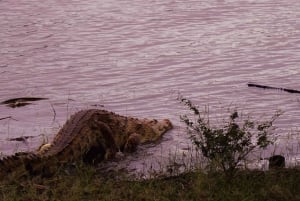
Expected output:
(225, 147)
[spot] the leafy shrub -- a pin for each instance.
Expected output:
(225, 147)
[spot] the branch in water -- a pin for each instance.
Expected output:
(269, 87)
(9, 117)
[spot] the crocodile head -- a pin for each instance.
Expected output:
(145, 131)
(160, 127)
(154, 129)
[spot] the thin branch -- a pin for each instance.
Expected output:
(54, 112)
(9, 117)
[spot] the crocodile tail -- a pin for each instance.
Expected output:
(8, 163)
(16, 165)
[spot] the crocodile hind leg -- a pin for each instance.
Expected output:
(95, 145)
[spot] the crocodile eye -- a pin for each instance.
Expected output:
(153, 121)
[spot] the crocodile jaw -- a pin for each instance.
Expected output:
(159, 128)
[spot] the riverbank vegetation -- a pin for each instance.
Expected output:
(228, 145)
(88, 184)
(224, 148)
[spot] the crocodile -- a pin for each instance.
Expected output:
(90, 136)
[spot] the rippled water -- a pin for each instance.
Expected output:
(135, 56)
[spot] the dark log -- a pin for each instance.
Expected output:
(269, 87)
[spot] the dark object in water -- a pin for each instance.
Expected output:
(9, 117)
(19, 102)
(269, 87)
(276, 161)
(20, 139)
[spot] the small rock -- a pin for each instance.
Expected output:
(276, 161)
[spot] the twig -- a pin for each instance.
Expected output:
(53, 112)
(9, 117)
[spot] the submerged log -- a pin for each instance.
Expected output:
(22, 101)
(269, 87)
(20, 139)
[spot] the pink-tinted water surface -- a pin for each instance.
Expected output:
(133, 57)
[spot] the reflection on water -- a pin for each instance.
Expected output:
(134, 56)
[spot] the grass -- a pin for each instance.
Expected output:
(86, 183)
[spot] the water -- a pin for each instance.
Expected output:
(134, 57)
